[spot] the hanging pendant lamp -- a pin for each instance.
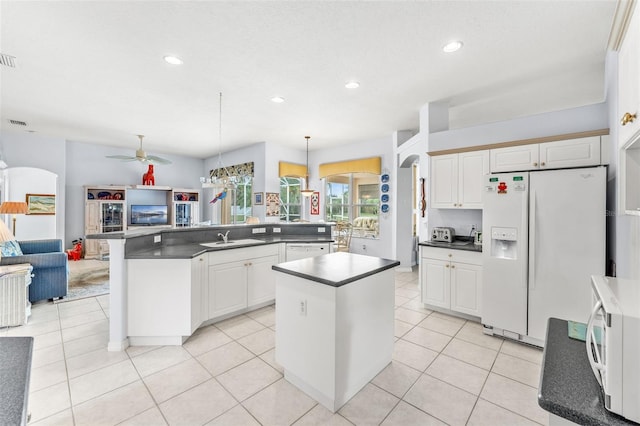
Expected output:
(225, 181)
(307, 192)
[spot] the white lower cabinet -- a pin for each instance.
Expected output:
(451, 279)
(165, 299)
(241, 278)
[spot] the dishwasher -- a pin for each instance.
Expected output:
(297, 251)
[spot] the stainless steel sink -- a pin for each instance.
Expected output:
(461, 243)
(232, 242)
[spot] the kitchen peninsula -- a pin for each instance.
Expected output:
(165, 283)
(335, 321)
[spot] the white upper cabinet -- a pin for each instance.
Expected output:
(580, 152)
(629, 82)
(514, 158)
(456, 180)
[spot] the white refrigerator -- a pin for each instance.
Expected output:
(544, 236)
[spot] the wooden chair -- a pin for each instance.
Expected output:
(343, 236)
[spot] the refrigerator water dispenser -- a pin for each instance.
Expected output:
(504, 243)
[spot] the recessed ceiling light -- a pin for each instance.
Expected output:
(173, 60)
(452, 46)
(277, 99)
(352, 85)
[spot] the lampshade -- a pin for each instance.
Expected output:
(13, 207)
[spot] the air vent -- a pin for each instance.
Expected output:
(17, 123)
(7, 60)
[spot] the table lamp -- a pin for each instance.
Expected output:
(14, 208)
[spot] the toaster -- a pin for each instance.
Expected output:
(443, 234)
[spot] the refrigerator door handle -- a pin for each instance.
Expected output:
(532, 242)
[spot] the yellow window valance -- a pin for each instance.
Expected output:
(364, 165)
(292, 170)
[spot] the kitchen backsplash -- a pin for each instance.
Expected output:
(459, 219)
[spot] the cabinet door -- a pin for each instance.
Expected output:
(444, 181)
(514, 158)
(261, 281)
(91, 226)
(435, 282)
(199, 290)
(227, 288)
(570, 153)
(628, 81)
(466, 288)
(472, 166)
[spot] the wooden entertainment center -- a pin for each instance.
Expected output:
(108, 209)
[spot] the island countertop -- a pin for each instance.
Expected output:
(336, 269)
(568, 387)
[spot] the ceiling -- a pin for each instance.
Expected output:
(93, 71)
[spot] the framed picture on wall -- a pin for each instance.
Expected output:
(315, 203)
(257, 199)
(273, 204)
(41, 204)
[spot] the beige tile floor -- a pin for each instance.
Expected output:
(444, 371)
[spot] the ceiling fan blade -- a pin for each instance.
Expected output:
(158, 160)
(122, 157)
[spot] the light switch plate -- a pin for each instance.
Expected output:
(276, 230)
(321, 229)
(157, 238)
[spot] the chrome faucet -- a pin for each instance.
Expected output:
(225, 236)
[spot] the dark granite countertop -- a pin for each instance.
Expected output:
(568, 387)
(194, 249)
(463, 243)
(336, 269)
(15, 372)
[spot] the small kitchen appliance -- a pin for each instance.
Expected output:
(443, 234)
(612, 343)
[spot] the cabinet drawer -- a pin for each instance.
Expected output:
(232, 255)
(463, 256)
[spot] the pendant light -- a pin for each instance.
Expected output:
(307, 192)
(226, 181)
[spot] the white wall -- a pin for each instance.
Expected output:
(22, 149)
(20, 181)
(87, 165)
(588, 117)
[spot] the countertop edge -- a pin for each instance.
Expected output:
(311, 277)
(200, 250)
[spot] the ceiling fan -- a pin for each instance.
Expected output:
(141, 156)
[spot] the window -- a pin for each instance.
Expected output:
(290, 198)
(241, 206)
(354, 197)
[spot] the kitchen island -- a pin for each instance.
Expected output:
(335, 323)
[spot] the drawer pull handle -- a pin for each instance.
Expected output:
(535, 164)
(627, 118)
(453, 266)
(446, 266)
(542, 164)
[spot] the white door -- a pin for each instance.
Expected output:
(566, 244)
(227, 288)
(436, 285)
(444, 181)
(514, 158)
(579, 152)
(504, 280)
(466, 287)
(472, 166)
(261, 280)
(628, 81)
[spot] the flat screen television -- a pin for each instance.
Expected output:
(149, 215)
